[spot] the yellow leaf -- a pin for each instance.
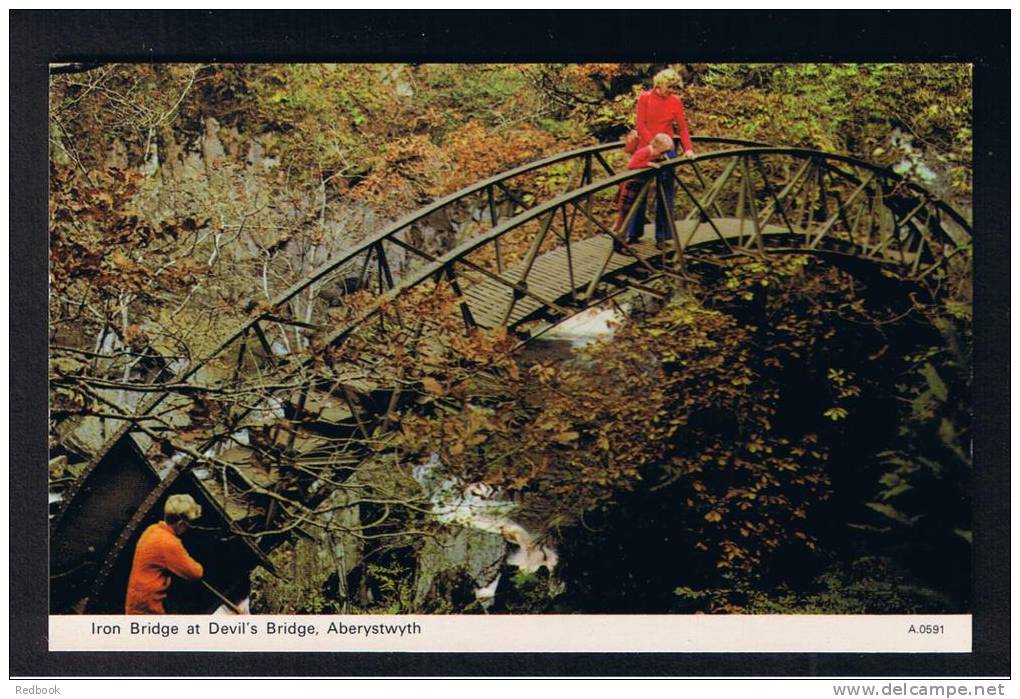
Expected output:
(119, 259)
(432, 386)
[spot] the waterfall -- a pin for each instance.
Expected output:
(482, 507)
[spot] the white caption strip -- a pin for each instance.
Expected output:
(574, 633)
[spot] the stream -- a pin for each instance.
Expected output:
(479, 507)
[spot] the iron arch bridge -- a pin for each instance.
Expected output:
(318, 370)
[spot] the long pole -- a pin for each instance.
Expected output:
(233, 607)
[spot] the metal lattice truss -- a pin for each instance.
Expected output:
(303, 393)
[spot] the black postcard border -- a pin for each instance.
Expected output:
(40, 37)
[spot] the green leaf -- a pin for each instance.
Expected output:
(897, 490)
(965, 534)
(935, 384)
(891, 480)
(951, 439)
(892, 513)
(836, 413)
(869, 528)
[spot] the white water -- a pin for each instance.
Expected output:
(588, 326)
(480, 506)
(913, 163)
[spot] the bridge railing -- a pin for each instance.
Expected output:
(822, 199)
(770, 200)
(280, 325)
(751, 200)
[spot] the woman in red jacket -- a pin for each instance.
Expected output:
(659, 110)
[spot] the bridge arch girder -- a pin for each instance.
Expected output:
(750, 200)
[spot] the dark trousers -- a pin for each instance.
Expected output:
(663, 209)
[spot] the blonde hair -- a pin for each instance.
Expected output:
(663, 141)
(181, 508)
(667, 78)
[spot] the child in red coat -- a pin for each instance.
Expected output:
(629, 190)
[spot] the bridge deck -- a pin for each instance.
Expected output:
(550, 279)
(491, 304)
(899, 224)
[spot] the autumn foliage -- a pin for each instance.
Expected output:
(733, 417)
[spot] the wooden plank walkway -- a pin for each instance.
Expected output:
(554, 276)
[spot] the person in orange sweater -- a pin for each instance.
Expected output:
(160, 555)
